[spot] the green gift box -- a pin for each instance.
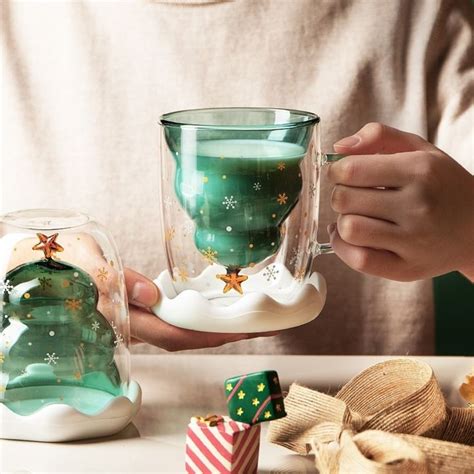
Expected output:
(256, 397)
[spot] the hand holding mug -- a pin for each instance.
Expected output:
(406, 209)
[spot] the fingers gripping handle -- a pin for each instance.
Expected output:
(327, 159)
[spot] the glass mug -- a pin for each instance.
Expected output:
(239, 208)
(64, 329)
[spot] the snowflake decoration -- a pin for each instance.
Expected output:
(257, 186)
(5, 286)
(182, 273)
(118, 340)
(51, 358)
(209, 255)
(295, 257)
(281, 166)
(44, 282)
(118, 337)
(282, 198)
(312, 190)
(271, 273)
(95, 325)
(73, 304)
(187, 227)
(169, 234)
(229, 202)
(167, 202)
(299, 274)
(103, 274)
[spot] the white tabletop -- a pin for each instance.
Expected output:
(176, 387)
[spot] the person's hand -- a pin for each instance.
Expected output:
(146, 327)
(406, 209)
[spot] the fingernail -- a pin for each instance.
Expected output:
(331, 228)
(349, 142)
(144, 294)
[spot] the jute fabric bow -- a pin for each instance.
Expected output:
(391, 418)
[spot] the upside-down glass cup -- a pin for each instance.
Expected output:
(239, 205)
(64, 329)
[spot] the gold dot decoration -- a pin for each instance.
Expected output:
(27, 296)
(205, 179)
(224, 176)
(251, 246)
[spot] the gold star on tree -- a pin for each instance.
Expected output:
(281, 166)
(260, 387)
(267, 415)
(240, 411)
(233, 281)
(48, 245)
(255, 402)
(241, 395)
(228, 387)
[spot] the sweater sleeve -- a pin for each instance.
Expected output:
(450, 76)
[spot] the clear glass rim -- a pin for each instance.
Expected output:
(46, 219)
(307, 118)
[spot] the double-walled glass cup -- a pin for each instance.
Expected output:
(239, 200)
(64, 329)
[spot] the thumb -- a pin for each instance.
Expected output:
(379, 138)
(141, 290)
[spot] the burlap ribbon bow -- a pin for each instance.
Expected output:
(391, 418)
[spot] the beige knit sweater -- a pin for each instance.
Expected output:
(85, 82)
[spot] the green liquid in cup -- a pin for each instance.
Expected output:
(238, 193)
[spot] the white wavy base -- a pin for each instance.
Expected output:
(200, 304)
(60, 422)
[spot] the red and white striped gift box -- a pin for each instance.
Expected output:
(222, 446)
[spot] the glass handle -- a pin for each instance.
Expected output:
(327, 159)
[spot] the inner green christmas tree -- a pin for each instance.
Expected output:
(55, 346)
(239, 193)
